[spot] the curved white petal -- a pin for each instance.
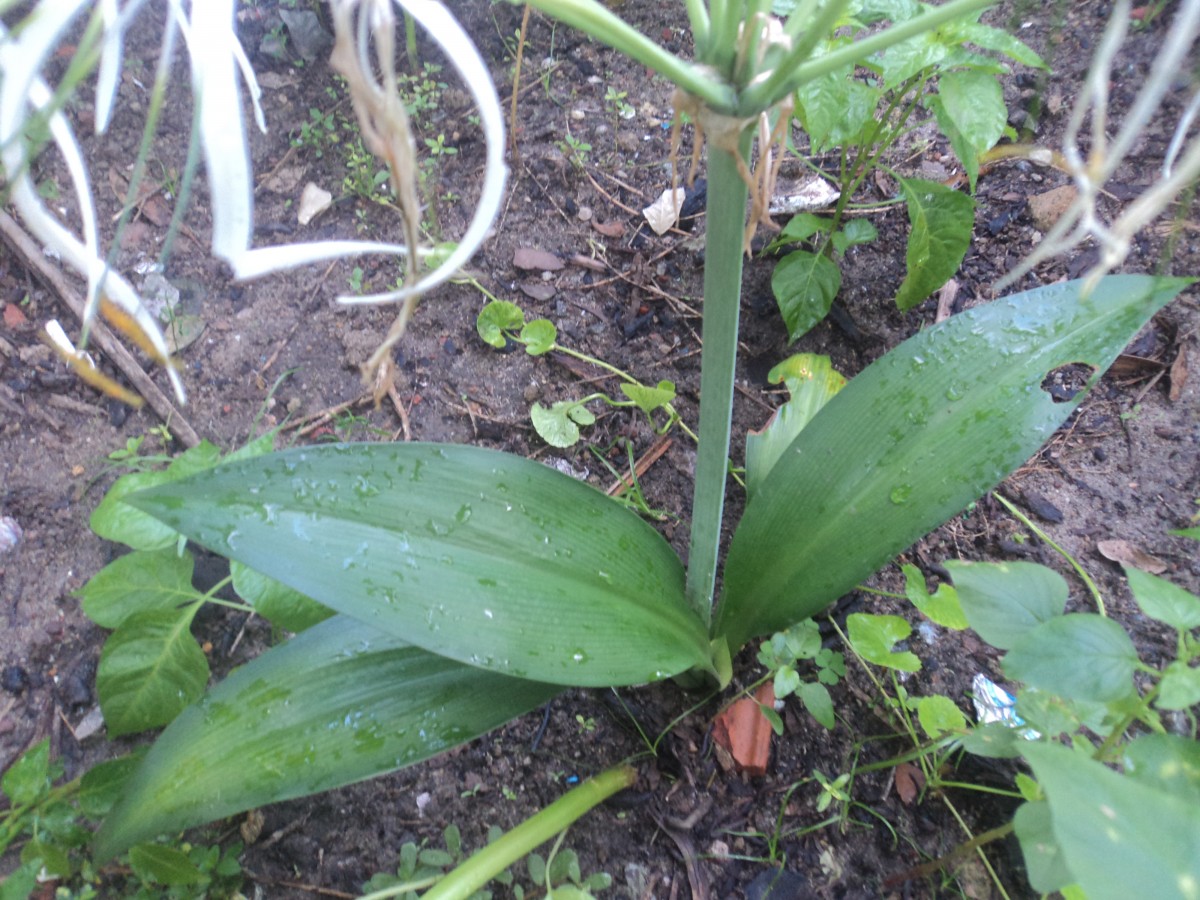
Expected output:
(461, 52)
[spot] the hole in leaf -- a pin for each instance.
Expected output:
(1064, 382)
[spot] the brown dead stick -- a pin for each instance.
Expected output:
(642, 466)
(24, 246)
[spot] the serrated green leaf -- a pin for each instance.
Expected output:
(817, 701)
(939, 716)
(29, 777)
(1119, 837)
(942, 606)
(874, 636)
(337, 704)
(805, 285)
(811, 382)
(137, 582)
(942, 220)
(912, 440)
(1005, 601)
(164, 865)
(491, 559)
(557, 425)
(275, 602)
(1044, 864)
(151, 668)
(496, 318)
(539, 336)
(1080, 656)
(648, 399)
(1163, 601)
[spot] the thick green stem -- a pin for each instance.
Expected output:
(722, 301)
(594, 19)
(497, 856)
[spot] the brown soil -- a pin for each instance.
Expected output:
(1127, 465)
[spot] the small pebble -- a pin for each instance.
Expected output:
(14, 679)
(10, 534)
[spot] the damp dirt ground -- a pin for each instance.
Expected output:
(1125, 467)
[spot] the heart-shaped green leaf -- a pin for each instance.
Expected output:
(913, 439)
(494, 560)
(337, 704)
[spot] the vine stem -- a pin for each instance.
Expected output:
(486, 864)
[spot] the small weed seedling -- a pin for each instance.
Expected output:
(500, 322)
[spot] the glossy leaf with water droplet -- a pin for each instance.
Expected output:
(337, 704)
(913, 439)
(487, 558)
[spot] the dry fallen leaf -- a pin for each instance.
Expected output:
(538, 290)
(744, 731)
(663, 213)
(1047, 208)
(909, 781)
(13, 317)
(533, 258)
(313, 201)
(1179, 375)
(1128, 554)
(613, 229)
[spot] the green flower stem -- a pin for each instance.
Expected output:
(698, 17)
(594, 19)
(497, 856)
(722, 295)
(794, 70)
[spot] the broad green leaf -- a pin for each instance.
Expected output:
(559, 425)
(1005, 601)
(994, 740)
(786, 682)
(103, 784)
(939, 716)
(159, 864)
(496, 318)
(1167, 762)
(1163, 601)
(903, 60)
(913, 439)
(647, 398)
(856, 231)
(1119, 837)
(136, 582)
(1179, 688)
(1080, 656)
(800, 227)
(942, 220)
(873, 637)
(1044, 864)
(971, 112)
(994, 39)
(805, 285)
(836, 109)
(539, 337)
(337, 704)
(817, 701)
(22, 882)
(494, 560)
(275, 602)
(150, 669)
(811, 382)
(29, 777)
(942, 606)
(871, 11)
(115, 520)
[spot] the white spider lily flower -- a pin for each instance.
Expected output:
(23, 91)
(214, 49)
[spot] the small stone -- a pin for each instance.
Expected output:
(14, 679)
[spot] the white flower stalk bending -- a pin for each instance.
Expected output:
(1082, 219)
(23, 93)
